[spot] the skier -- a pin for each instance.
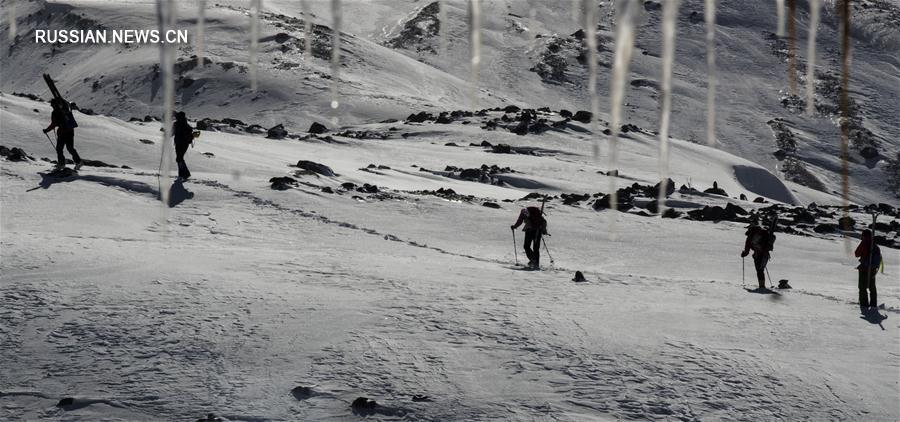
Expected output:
(535, 227)
(761, 241)
(62, 120)
(869, 255)
(184, 137)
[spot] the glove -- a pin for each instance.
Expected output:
(512, 227)
(744, 254)
(45, 130)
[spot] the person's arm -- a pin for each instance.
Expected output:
(53, 125)
(519, 221)
(746, 250)
(862, 250)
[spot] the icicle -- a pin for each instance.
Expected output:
(811, 57)
(792, 46)
(712, 80)
(335, 51)
(201, 22)
(256, 7)
(165, 10)
(475, 45)
(590, 36)
(307, 30)
(844, 14)
(532, 23)
(11, 14)
(670, 16)
(779, 8)
(443, 27)
(624, 48)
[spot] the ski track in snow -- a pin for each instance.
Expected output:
(156, 337)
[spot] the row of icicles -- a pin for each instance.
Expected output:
(624, 45)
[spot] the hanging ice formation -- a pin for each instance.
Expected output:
(198, 37)
(670, 16)
(254, 42)
(475, 45)
(811, 57)
(710, 17)
(624, 48)
(165, 12)
(307, 30)
(443, 27)
(590, 35)
(335, 52)
(11, 15)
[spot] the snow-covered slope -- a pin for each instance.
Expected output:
(381, 78)
(258, 304)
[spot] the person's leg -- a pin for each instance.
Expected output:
(759, 262)
(537, 249)
(70, 145)
(60, 158)
(529, 240)
(183, 172)
(863, 286)
(873, 293)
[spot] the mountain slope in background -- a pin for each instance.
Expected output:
(384, 75)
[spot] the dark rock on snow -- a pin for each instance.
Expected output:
(317, 128)
(14, 154)
(283, 183)
(314, 167)
(277, 132)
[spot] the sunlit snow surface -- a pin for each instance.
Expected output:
(229, 294)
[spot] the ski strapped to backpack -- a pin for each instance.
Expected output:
(68, 118)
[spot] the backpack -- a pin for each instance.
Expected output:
(68, 119)
(536, 218)
(876, 259)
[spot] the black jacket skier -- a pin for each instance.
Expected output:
(62, 120)
(535, 227)
(760, 241)
(184, 138)
(869, 255)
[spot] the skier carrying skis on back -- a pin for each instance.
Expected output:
(761, 241)
(184, 138)
(535, 227)
(869, 255)
(64, 122)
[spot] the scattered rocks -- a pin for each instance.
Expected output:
(582, 116)
(364, 405)
(146, 141)
(491, 205)
(846, 223)
(317, 128)
(67, 401)
(14, 154)
(283, 182)
(501, 149)
(315, 168)
(277, 132)
(302, 393)
(579, 277)
(716, 190)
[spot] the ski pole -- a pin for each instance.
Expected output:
(743, 271)
(515, 251)
(51, 141)
(771, 285)
(546, 248)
